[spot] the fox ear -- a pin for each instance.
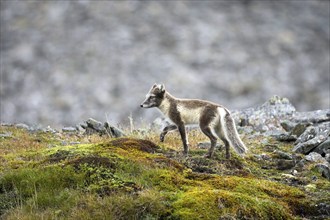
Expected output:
(154, 85)
(162, 88)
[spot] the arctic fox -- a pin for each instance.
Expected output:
(214, 120)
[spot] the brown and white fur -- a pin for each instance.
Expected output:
(214, 120)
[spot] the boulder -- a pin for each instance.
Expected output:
(266, 116)
(312, 137)
(323, 148)
(93, 126)
(113, 131)
(323, 169)
(314, 157)
(308, 146)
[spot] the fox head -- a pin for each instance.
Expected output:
(154, 97)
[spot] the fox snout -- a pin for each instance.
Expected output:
(145, 104)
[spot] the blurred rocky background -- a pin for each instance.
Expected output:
(65, 61)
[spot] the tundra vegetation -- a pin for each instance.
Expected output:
(67, 175)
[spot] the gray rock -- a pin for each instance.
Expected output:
(299, 129)
(69, 129)
(278, 106)
(6, 135)
(49, 130)
(92, 126)
(323, 148)
(317, 116)
(113, 131)
(283, 155)
(314, 157)
(288, 125)
(96, 125)
(266, 117)
(308, 134)
(324, 170)
(262, 157)
(312, 137)
(285, 137)
(23, 126)
(6, 124)
(300, 165)
(327, 157)
(308, 146)
(245, 130)
(324, 209)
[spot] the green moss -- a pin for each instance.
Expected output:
(197, 204)
(163, 179)
(40, 188)
(201, 203)
(100, 175)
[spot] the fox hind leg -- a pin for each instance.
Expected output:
(227, 147)
(221, 135)
(208, 132)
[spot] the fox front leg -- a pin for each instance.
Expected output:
(183, 134)
(166, 130)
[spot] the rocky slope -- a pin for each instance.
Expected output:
(66, 60)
